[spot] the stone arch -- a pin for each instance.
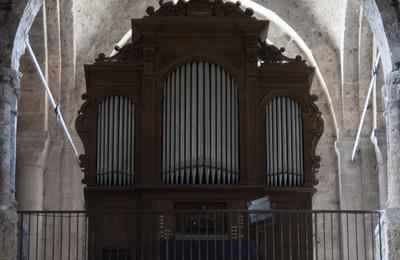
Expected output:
(383, 16)
(18, 18)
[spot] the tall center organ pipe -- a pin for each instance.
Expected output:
(115, 142)
(200, 126)
(284, 143)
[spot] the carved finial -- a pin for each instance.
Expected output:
(298, 58)
(160, 2)
(83, 165)
(150, 10)
(282, 49)
(82, 158)
(238, 3)
(85, 96)
(249, 11)
(314, 98)
(117, 48)
(101, 56)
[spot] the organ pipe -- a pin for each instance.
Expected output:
(115, 142)
(284, 143)
(200, 126)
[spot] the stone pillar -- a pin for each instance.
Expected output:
(9, 90)
(350, 176)
(391, 218)
(358, 184)
(391, 94)
(32, 157)
(350, 188)
(378, 139)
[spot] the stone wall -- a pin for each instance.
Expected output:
(69, 33)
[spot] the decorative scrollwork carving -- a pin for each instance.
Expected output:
(199, 7)
(130, 53)
(81, 122)
(316, 127)
(271, 54)
(83, 163)
(314, 169)
(85, 104)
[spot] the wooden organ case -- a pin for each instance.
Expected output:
(196, 112)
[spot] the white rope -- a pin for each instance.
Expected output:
(364, 112)
(124, 40)
(55, 106)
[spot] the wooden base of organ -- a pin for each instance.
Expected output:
(131, 218)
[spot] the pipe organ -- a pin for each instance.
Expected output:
(197, 111)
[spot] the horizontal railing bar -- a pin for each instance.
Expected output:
(201, 211)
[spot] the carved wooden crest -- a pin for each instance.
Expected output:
(199, 7)
(271, 54)
(130, 53)
(134, 53)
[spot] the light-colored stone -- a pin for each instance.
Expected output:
(384, 22)
(32, 159)
(8, 233)
(9, 89)
(378, 138)
(391, 234)
(392, 114)
(391, 224)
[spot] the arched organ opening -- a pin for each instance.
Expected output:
(200, 126)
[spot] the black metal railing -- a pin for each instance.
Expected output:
(200, 234)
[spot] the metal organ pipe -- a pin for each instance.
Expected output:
(200, 126)
(284, 143)
(115, 142)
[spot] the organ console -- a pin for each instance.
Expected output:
(198, 111)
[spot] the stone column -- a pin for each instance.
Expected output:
(378, 139)
(391, 218)
(358, 186)
(391, 94)
(350, 176)
(32, 157)
(9, 90)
